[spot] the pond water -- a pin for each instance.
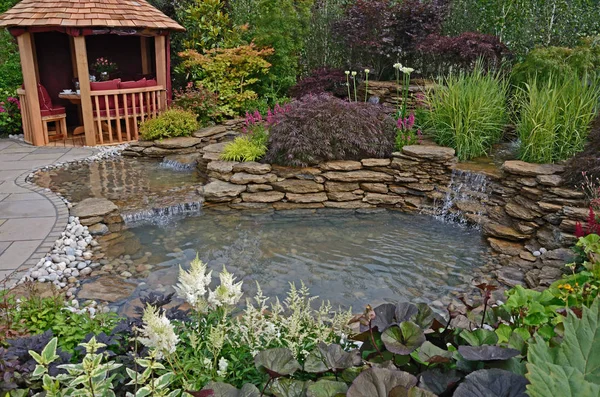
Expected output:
(349, 258)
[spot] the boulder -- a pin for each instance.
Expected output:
(510, 276)
(581, 214)
(91, 220)
(518, 211)
(252, 167)
(376, 198)
(374, 187)
(107, 289)
(503, 232)
(376, 162)
(358, 176)
(219, 191)
(221, 167)
(550, 180)
(429, 152)
(262, 197)
(243, 178)
(342, 165)
(210, 131)
(306, 198)
(181, 142)
(99, 229)
(518, 167)
(298, 186)
(93, 207)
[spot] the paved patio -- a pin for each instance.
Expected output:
(31, 219)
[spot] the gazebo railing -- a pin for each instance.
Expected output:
(125, 106)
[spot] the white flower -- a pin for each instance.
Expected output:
(398, 66)
(158, 333)
(367, 71)
(354, 74)
(223, 364)
(347, 72)
(407, 70)
(226, 294)
(193, 284)
(207, 363)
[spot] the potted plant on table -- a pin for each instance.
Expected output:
(103, 68)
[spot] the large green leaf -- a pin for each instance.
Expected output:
(326, 388)
(276, 362)
(403, 338)
(379, 382)
(486, 353)
(285, 387)
(331, 358)
(221, 389)
(479, 337)
(492, 383)
(573, 367)
(430, 353)
(438, 381)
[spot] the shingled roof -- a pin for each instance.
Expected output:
(87, 13)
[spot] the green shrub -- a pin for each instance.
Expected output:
(545, 62)
(244, 148)
(555, 117)
(200, 101)
(172, 123)
(468, 113)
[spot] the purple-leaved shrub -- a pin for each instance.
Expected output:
(321, 128)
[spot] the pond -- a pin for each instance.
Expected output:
(349, 258)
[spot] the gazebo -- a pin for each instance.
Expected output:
(58, 43)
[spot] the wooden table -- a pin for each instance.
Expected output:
(75, 98)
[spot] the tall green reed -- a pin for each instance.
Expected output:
(468, 112)
(555, 116)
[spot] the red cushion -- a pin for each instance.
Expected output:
(55, 111)
(105, 86)
(44, 98)
(126, 85)
(151, 83)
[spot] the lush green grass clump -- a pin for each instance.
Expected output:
(468, 113)
(555, 117)
(249, 147)
(172, 123)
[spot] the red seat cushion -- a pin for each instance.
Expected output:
(105, 86)
(151, 83)
(44, 98)
(55, 111)
(126, 85)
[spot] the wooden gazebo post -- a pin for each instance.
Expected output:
(161, 66)
(84, 87)
(26, 52)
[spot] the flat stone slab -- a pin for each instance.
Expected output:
(220, 190)
(519, 167)
(215, 147)
(298, 186)
(210, 131)
(181, 142)
(262, 197)
(252, 167)
(358, 176)
(341, 165)
(92, 207)
(221, 167)
(429, 152)
(243, 178)
(106, 288)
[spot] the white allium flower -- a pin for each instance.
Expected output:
(407, 70)
(223, 364)
(398, 66)
(367, 71)
(158, 332)
(354, 74)
(347, 72)
(226, 294)
(194, 283)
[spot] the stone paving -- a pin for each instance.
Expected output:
(31, 218)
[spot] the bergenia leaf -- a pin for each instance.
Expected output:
(405, 311)
(487, 353)
(284, 387)
(425, 316)
(492, 383)
(479, 337)
(430, 353)
(404, 338)
(276, 362)
(221, 389)
(331, 358)
(438, 381)
(384, 317)
(379, 382)
(326, 388)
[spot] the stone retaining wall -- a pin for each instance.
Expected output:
(526, 214)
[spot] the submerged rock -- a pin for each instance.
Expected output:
(94, 207)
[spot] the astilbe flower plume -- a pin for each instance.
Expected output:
(193, 284)
(158, 332)
(228, 293)
(592, 227)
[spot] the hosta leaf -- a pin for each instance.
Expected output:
(479, 337)
(492, 383)
(403, 338)
(326, 388)
(379, 382)
(430, 353)
(330, 358)
(284, 387)
(276, 362)
(438, 381)
(225, 390)
(574, 365)
(486, 353)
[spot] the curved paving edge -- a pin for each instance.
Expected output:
(31, 217)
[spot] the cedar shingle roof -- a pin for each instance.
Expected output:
(87, 13)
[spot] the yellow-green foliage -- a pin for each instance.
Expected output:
(230, 72)
(172, 123)
(244, 148)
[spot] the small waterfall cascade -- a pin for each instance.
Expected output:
(465, 197)
(162, 215)
(176, 165)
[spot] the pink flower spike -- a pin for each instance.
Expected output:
(411, 121)
(257, 116)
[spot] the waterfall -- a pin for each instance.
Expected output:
(176, 165)
(163, 215)
(466, 193)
